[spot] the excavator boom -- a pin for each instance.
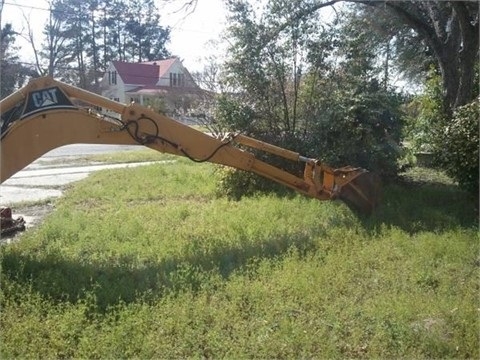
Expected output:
(47, 114)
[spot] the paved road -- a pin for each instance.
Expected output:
(87, 149)
(45, 178)
(40, 180)
(34, 184)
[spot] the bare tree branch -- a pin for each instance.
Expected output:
(188, 7)
(30, 38)
(2, 2)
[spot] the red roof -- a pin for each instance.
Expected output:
(145, 73)
(163, 64)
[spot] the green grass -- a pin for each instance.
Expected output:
(151, 263)
(144, 154)
(129, 156)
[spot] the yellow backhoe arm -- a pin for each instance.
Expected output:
(47, 114)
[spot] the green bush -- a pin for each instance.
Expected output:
(361, 126)
(457, 152)
(426, 116)
(453, 139)
(235, 183)
(232, 115)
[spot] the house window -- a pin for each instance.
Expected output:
(112, 77)
(177, 79)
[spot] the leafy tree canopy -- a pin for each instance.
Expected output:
(450, 30)
(316, 87)
(82, 36)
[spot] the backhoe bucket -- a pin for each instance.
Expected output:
(362, 193)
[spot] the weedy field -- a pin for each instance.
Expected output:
(152, 263)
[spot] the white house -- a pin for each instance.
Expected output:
(165, 85)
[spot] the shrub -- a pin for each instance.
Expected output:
(452, 139)
(232, 115)
(361, 127)
(426, 115)
(458, 154)
(235, 184)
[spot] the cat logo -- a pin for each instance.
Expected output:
(41, 100)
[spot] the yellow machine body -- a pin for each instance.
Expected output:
(47, 114)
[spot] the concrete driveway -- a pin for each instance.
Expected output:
(45, 179)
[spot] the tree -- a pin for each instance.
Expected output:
(449, 28)
(2, 2)
(55, 53)
(415, 34)
(354, 112)
(147, 39)
(312, 87)
(402, 53)
(113, 29)
(82, 36)
(13, 74)
(269, 76)
(131, 31)
(79, 40)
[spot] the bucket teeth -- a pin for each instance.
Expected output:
(357, 187)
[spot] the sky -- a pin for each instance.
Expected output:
(192, 33)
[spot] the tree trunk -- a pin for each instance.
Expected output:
(468, 53)
(451, 30)
(94, 51)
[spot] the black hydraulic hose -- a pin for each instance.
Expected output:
(152, 137)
